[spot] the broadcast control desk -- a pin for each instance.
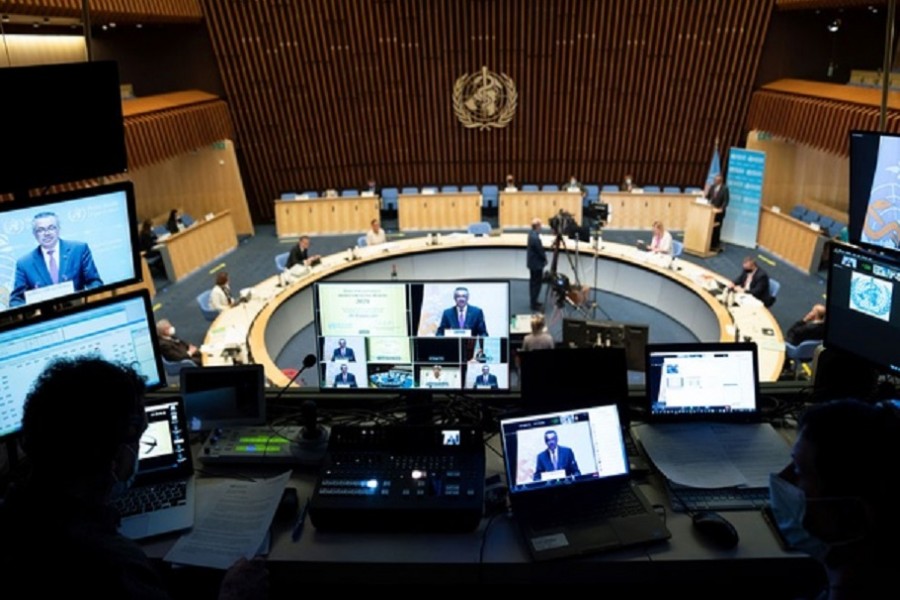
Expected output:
(269, 320)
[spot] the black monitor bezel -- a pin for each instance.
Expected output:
(34, 204)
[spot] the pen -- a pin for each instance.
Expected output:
(301, 519)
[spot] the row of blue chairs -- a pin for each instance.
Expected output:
(831, 226)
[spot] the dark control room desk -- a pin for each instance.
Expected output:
(274, 315)
(496, 552)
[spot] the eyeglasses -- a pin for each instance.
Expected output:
(47, 229)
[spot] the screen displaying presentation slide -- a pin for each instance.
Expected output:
(413, 335)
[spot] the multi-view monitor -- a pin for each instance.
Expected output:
(397, 336)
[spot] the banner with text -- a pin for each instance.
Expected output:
(745, 183)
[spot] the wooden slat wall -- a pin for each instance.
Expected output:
(821, 123)
(828, 4)
(327, 93)
(121, 11)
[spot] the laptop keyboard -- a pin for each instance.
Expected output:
(151, 498)
(695, 499)
(622, 503)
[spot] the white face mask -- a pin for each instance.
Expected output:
(172, 331)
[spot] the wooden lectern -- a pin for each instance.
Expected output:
(698, 233)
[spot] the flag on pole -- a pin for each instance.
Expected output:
(715, 165)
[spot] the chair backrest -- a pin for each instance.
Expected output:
(835, 228)
(677, 248)
(593, 192)
(692, 190)
(209, 313)
(361, 241)
(311, 194)
(804, 351)
(490, 196)
(281, 261)
(671, 189)
(774, 286)
(409, 190)
(450, 188)
(810, 216)
(609, 187)
(349, 193)
(160, 230)
(550, 187)
(482, 228)
(470, 188)
(651, 189)
(530, 187)
(825, 222)
(798, 211)
(187, 219)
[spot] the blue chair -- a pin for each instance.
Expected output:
(490, 196)
(470, 188)
(550, 187)
(671, 189)
(530, 187)
(449, 189)
(804, 352)
(483, 228)
(160, 230)
(409, 190)
(651, 189)
(774, 286)
(209, 313)
(835, 229)
(173, 369)
(281, 261)
(692, 190)
(609, 187)
(187, 219)
(798, 212)
(825, 222)
(311, 194)
(361, 241)
(592, 195)
(349, 193)
(289, 195)
(389, 198)
(678, 248)
(810, 216)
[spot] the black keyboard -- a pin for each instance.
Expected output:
(694, 499)
(151, 498)
(621, 503)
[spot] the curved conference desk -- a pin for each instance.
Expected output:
(264, 325)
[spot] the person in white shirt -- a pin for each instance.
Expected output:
(662, 239)
(220, 296)
(376, 234)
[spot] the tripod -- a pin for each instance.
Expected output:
(565, 295)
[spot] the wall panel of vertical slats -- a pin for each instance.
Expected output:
(328, 93)
(121, 11)
(819, 115)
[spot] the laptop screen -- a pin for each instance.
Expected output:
(702, 380)
(225, 396)
(164, 452)
(569, 447)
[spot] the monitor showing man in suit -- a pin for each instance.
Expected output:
(556, 461)
(486, 379)
(54, 262)
(342, 352)
(345, 378)
(462, 317)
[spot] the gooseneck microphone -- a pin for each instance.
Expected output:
(308, 361)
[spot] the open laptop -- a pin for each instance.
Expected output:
(702, 381)
(578, 499)
(161, 500)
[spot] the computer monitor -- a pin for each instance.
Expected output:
(71, 120)
(863, 305)
(874, 199)
(579, 333)
(65, 246)
(404, 336)
(119, 329)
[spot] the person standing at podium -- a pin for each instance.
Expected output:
(717, 194)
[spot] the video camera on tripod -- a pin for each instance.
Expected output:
(564, 224)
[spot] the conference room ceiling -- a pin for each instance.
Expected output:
(328, 93)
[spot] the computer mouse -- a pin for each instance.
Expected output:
(716, 528)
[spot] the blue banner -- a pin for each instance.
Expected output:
(745, 182)
(715, 166)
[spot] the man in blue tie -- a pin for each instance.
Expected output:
(53, 262)
(342, 352)
(463, 316)
(555, 459)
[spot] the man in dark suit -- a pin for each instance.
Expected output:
(54, 261)
(342, 352)
(463, 315)
(752, 280)
(717, 194)
(536, 260)
(175, 349)
(810, 327)
(555, 458)
(486, 379)
(345, 378)
(299, 254)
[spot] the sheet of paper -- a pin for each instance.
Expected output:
(710, 455)
(233, 519)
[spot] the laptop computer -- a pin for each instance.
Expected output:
(702, 381)
(569, 484)
(161, 500)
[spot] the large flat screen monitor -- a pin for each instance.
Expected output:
(67, 245)
(874, 203)
(119, 329)
(70, 123)
(400, 336)
(863, 305)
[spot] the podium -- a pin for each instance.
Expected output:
(698, 233)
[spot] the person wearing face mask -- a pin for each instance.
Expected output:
(752, 280)
(83, 421)
(835, 501)
(175, 349)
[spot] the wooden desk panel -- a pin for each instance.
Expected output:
(453, 210)
(518, 209)
(294, 218)
(198, 245)
(639, 211)
(792, 240)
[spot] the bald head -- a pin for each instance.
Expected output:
(536, 224)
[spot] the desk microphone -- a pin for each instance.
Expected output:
(308, 361)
